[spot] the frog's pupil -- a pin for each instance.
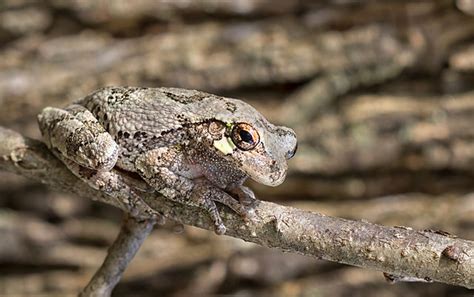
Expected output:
(246, 136)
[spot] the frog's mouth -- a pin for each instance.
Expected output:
(269, 176)
(264, 168)
(259, 166)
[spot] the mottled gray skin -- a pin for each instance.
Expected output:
(176, 140)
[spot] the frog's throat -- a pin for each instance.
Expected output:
(225, 145)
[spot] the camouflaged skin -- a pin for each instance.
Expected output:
(178, 141)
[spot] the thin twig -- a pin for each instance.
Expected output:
(131, 236)
(401, 251)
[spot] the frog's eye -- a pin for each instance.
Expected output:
(244, 136)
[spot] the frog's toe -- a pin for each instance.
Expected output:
(160, 219)
(137, 207)
(220, 229)
(245, 195)
(203, 196)
(249, 214)
(206, 196)
(245, 211)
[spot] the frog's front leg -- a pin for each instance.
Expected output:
(245, 194)
(164, 169)
(82, 144)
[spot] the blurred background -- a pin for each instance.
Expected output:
(380, 94)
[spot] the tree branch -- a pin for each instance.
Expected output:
(131, 237)
(400, 251)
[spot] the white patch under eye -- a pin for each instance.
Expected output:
(225, 145)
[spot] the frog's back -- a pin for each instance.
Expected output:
(140, 119)
(157, 110)
(132, 109)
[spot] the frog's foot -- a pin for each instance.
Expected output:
(114, 185)
(135, 182)
(205, 195)
(245, 195)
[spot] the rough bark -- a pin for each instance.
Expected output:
(51, 244)
(403, 251)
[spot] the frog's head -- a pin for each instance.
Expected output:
(258, 148)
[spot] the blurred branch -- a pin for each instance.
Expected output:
(208, 57)
(93, 12)
(401, 251)
(463, 59)
(315, 97)
(391, 133)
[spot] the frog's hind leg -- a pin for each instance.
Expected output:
(79, 140)
(116, 186)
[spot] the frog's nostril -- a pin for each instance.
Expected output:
(290, 154)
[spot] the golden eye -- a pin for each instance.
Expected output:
(244, 136)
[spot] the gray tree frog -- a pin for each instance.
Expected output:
(192, 147)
